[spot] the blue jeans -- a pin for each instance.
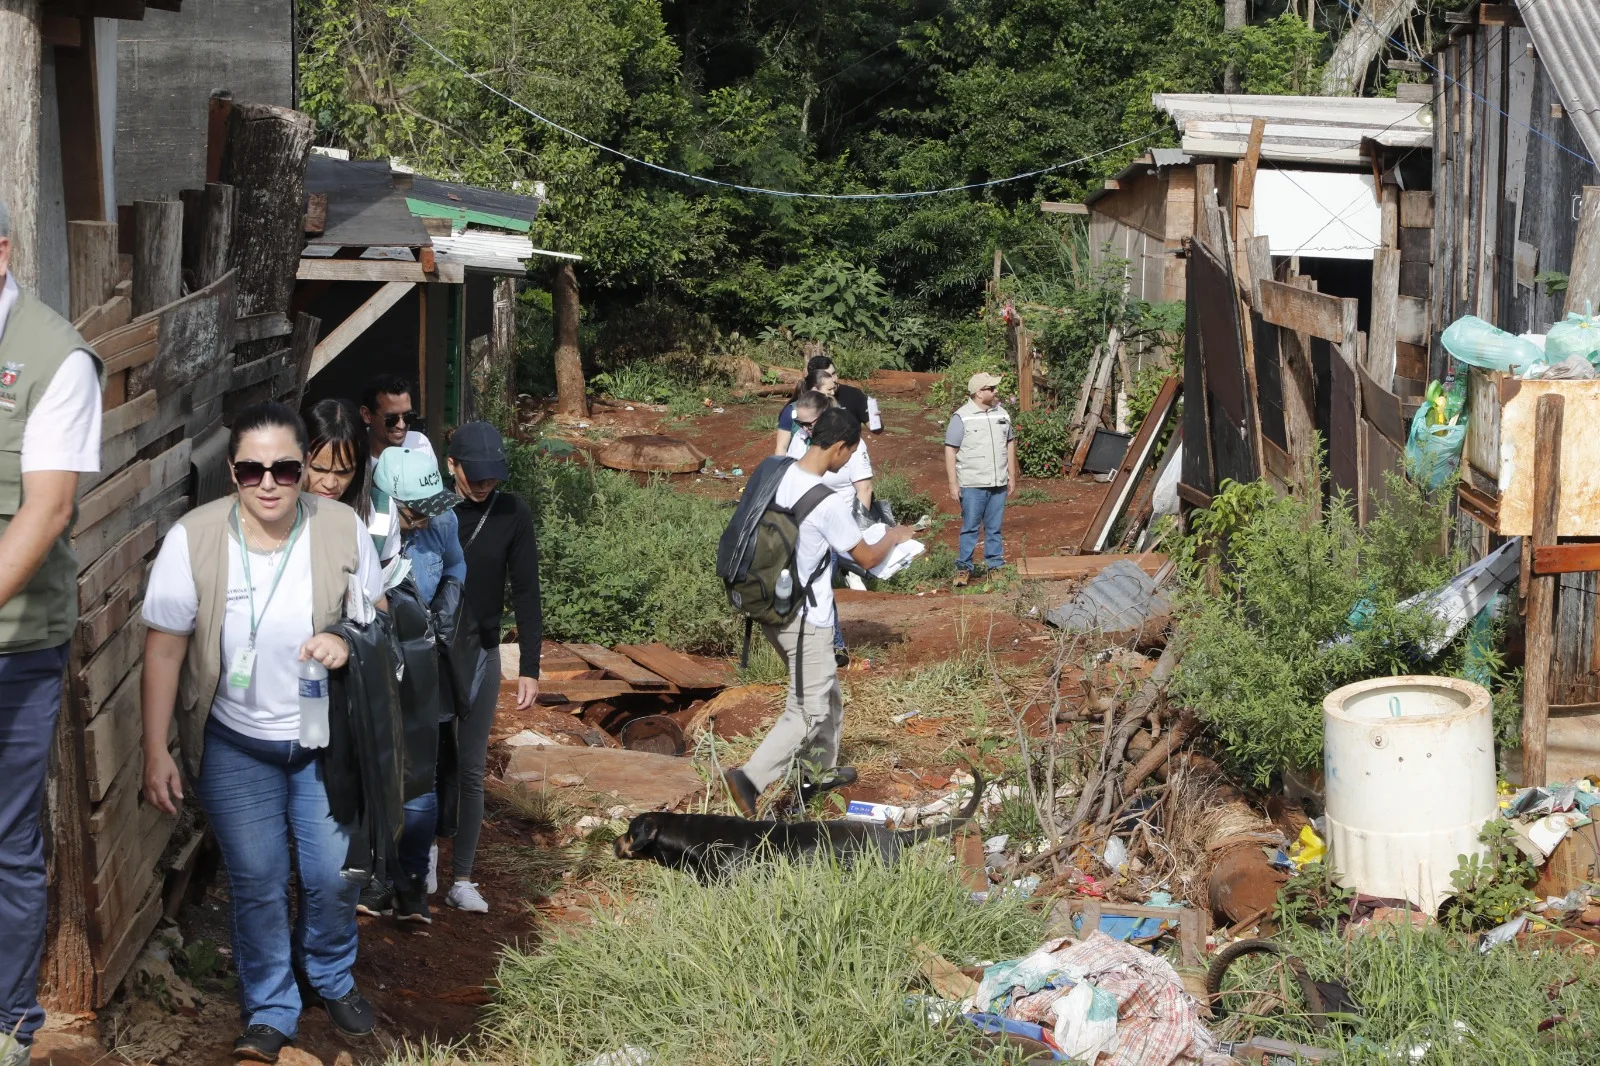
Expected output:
(982, 508)
(261, 797)
(416, 838)
(30, 696)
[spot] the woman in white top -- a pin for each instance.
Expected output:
(233, 608)
(856, 475)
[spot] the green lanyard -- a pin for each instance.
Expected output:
(294, 535)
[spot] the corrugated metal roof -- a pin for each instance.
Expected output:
(1566, 34)
(1300, 129)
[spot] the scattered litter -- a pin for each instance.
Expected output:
(627, 1056)
(528, 739)
(906, 716)
(1309, 848)
(1116, 854)
(996, 845)
(1119, 598)
(883, 813)
(1502, 934)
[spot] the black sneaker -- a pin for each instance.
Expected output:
(411, 901)
(742, 790)
(838, 777)
(376, 899)
(259, 1043)
(351, 1014)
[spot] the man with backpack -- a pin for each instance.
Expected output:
(776, 559)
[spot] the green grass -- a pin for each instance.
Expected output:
(1028, 497)
(788, 963)
(1415, 986)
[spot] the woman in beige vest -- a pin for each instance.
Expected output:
(239, 597)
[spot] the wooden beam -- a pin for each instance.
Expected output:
(78, 116)
(157, 254)
(1056, 207)
(1382, 333)
(618, 665)
(1566, 558)
(1542, 589)
(91, 265)
(1244, 194)
(359, 270)
(316, 213)
(103, 318)
(1258, 256)
(1583, 281)
(61, 31)
(1499, 15)
(1303, 311)
(217, 131)
(347, 331)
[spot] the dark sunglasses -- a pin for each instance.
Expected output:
(805, 425)
(411, 418)
(249, 473)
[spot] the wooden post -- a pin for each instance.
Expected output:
(1017, 350)
(92, 265)
(1583, 283)
(265, 159)
(209, 251)
(1384, 330)
(21, 50)
(157, 254)
(571, 398)
(503, 345)
(217, 132)
(1541, 589)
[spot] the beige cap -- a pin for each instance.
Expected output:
(982, 380)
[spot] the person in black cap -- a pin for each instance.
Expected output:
(497, 536)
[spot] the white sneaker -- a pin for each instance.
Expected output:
(433, 869)
(464, 896)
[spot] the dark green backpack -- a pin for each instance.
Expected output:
(760, 543)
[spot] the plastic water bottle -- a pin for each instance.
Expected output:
(313, 704)
(784, 592)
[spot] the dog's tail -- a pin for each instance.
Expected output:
(909, 837)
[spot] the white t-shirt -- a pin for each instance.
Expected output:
(63, 430)
(829, 526)
(270, 708)
(842, 480)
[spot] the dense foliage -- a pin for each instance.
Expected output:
(1285, 602)
(836, 96)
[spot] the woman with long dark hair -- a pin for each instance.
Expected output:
(336, 455)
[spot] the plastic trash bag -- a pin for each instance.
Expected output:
(1086, 1021)
(1472, 340)
(1438, 435)
(1576, 336)
(1571, 368)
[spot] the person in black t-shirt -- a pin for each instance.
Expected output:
(850, 398)
(497, 536)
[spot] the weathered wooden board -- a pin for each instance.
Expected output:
(195, 333)
(98, 578)
(1303, 311)
(260, 370)
(129, 873)
(1580, 457)
(102, 319)
(583, 691)
(191, 409)
(1072, 567)
(1411, 320)
(1416, 209)
(675, 666)
(100, 676)
(1382, 408)
(114, 493)
(617, 665)
(112, 960)
(262, 327)
(113, 735)
(1483, 421)
(132, 345)
(102, 623)
(128, 416)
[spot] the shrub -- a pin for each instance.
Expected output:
(621, 562)
(894, 488)
(1044, 440)
(950, 391)
(1268, 626)
(783, 963)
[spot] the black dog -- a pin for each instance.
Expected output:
(712, 845)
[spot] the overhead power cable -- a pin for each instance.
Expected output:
(756, 189)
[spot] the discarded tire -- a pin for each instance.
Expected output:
(1315, 1006)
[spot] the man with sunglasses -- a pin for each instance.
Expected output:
(49, 434)
(389, 410)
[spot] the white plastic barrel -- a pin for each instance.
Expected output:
(1410, 780)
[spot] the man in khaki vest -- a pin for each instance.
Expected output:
(50, 383)
(980, 461)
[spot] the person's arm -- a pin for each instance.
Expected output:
(950, 474)
(455, 560)
(864, 492)
(1011, 465)
(522, 564)
(780, 444)
(158, 692)
(45, 514)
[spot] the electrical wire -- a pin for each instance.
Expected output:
(1496, 108)
(756, 189)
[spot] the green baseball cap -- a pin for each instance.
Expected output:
(411, 476)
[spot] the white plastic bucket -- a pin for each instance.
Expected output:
(1410, 781)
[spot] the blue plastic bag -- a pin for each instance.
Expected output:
(1472, 340)
(1433, 452)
